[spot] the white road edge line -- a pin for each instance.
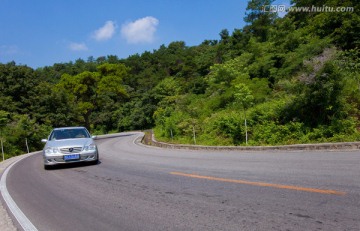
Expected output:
(139, 135)
(18, 214)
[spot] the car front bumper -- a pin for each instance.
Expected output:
(50, 160)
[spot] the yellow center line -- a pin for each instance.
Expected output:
(280, 186)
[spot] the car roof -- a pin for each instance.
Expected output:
(64, 128)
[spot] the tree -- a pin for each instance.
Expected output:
(166, 88)
(91, 90)
(245, 98)
(16, 85)
(259, 20)
(3, 118)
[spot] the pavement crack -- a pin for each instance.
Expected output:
(301, 215)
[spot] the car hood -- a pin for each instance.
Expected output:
(79, 142)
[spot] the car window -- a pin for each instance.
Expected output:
(62, 134)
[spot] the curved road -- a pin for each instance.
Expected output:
(146, 188)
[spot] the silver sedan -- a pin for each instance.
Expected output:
(69, 145)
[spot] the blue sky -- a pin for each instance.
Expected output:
(40, 33)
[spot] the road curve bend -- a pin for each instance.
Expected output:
(135, 187)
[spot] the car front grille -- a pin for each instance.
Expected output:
(70, 150)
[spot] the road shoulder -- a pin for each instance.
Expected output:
(6, 223)
(149, 139)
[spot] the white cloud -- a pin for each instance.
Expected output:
(106, 32)
(140, 31)
(78, 47)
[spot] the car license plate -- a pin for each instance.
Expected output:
(72, 157)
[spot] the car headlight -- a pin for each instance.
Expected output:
(91, 147)
(51, 150)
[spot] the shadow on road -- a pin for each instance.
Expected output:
(71, 165)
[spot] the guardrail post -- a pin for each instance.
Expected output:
(2, 150)
(27, 146)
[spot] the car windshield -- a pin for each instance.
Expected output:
(74, 133)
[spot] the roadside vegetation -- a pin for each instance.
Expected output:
(275, 81)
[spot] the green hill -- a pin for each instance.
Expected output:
(294, 79)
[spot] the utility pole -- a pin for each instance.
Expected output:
(244, 96)
(246, 132)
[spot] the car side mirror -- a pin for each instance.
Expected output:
(44, 140)
(94, 137)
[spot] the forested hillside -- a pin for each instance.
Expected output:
(285, 80)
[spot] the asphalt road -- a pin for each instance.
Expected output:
(145, 188)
